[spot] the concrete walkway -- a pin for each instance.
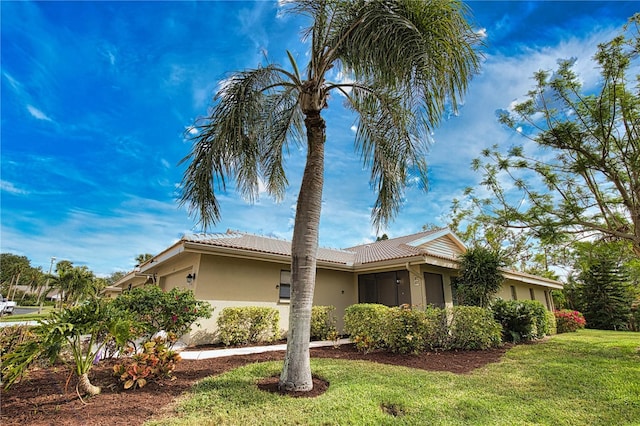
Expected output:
(218, 353)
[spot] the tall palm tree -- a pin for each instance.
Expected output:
(405, 60)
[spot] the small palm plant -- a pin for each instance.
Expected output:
(85, 329)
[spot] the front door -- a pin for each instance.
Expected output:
(434, 288)
(387, 288)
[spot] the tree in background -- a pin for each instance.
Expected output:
(17, 270)
(584, 177)
(605, 294)
(520, 249)
(479, 278)
(399, 63)
(141, 258)
(74, 283)
(605, 283)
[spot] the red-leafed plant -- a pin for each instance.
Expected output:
(569, 321)
(154, 362)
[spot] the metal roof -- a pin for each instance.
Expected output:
(393, 248)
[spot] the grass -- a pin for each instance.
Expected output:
(590, 377)
(46, 310)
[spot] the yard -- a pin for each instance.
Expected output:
(590, 377)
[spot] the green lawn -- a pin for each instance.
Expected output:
(585, 378)
(46, 310)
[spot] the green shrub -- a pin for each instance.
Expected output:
(251, 324)
(366, 323)
(569, 321)
(437, 328)
(323, 323)
(521, 320)
(85, 329)
(154, 362)
(551, 320)
(414, 330)
(472, 328)
(155, 310)
(406, 330)
(539, 313)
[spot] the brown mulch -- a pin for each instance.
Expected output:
(48, 396)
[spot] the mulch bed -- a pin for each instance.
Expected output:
(48, 396)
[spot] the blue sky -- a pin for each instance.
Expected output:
(96, 98)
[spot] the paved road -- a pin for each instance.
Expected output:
(19, 310)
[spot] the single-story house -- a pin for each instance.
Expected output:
(241, 269)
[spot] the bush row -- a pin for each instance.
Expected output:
(412, 330)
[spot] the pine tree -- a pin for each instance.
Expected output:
(605, 295)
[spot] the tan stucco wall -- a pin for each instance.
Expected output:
(174, 273)
(336, 288)
(523, 293)
(231, 282)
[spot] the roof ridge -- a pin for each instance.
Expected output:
(403, 237)
(233, 233)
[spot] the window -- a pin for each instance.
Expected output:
(285, 286)
(546, 299)
(532, 294)
(514, 295)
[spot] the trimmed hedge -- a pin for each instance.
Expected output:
(414, 330)
(366, 323)
(323, 323)
(472, 328)
(251, 324)
(406, 330)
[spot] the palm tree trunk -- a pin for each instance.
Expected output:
(85, 387)
(296, 374)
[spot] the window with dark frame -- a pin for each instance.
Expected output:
(546, 299)
(532, 294)
(284, 289)
(514, 295)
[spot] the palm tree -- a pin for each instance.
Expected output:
(405, 60)
(75, 283)
(143, 257)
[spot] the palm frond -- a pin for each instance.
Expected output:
(392, 143)
(254, 112)
(424, 50)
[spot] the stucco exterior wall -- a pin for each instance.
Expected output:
(523, 292)
(174, 273)
(231, 282)
(336, 288)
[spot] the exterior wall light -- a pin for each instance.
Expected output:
(191, 277)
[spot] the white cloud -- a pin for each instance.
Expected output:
(11, 188)
(15, 84)
(36, 113)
